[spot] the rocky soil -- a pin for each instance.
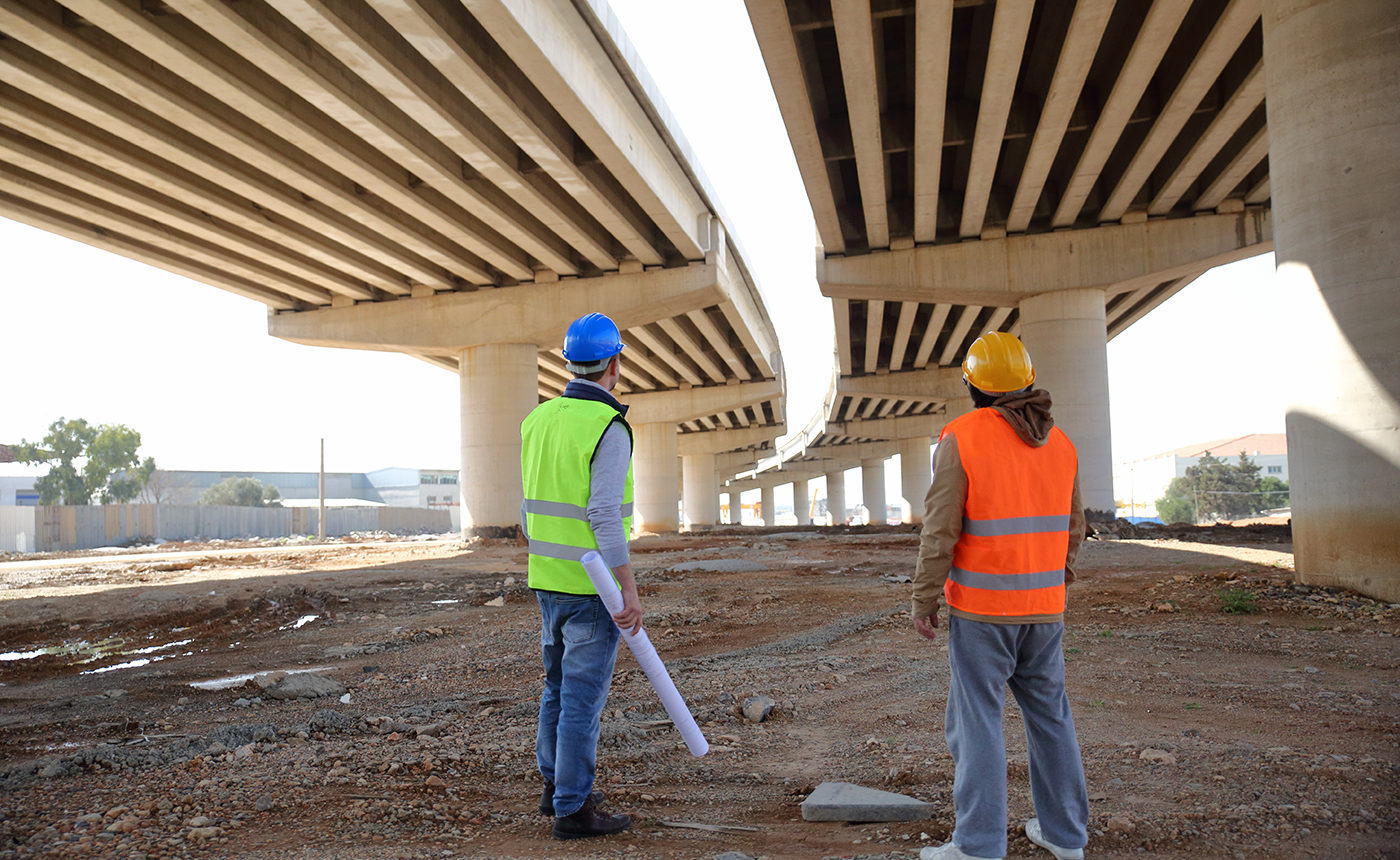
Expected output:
(1223, 710)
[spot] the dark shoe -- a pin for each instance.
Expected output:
(547, 799)
(589, 821)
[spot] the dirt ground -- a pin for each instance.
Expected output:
(1265, 732)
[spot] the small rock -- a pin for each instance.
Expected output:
(241, 703)
(1120, 824)
(510, 580)
(1311, 670)
(183, 700)
(345, 699)
(200, 821)
(757, 708)
(206, 832)
(1156, 756)
(733, 855)
(216, 748)
(264, 803)
(243, 751)
(434, 782)
(303, 685)
(497, 601)
(114, 694)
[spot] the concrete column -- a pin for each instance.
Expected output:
(656, 478)
(1067, 337)
(836, 496)
(1334, 119)
(915, 474)
(768, 503)
(802, 502)
(499, 385)
(872, 488)
(700, 486)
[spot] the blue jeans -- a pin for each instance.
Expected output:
(984, 659)
(578, 640)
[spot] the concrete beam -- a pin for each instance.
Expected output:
(689, 404)
(1114, 258)
(933, 384)
(555, 49)
(902, 427)
(1245, 100)
(720, 441)
(1010, 24)
(449, 322)
(933, 34)
(855, 42)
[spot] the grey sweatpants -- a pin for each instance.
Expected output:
(984, 659)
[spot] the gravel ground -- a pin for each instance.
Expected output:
(1266, 730)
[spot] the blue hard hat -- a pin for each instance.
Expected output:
(592, 338)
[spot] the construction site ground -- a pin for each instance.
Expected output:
(1267, 731)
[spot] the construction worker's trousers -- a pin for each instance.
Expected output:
(984, 659)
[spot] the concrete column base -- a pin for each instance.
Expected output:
(700, 488)
(656, 478)
(915, 475)
(872, 486)
(1067, 337)
(836, 497)
(499, 384)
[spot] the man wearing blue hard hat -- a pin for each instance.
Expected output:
(576, 469)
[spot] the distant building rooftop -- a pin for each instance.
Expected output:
(7, 454)
(1255, 444)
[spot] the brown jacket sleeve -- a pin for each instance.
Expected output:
(1077, 530)
(943, 517)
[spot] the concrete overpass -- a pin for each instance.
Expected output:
(1059, 169)
(456, 181)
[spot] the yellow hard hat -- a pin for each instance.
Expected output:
(997, 362)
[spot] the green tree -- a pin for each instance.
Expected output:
(1213, 489)
(1178, 505)
(1273, 493)
(87, 462)
(242, 493)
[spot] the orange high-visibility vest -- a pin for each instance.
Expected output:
(1010, 559)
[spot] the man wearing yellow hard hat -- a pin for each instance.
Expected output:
(1003, 522)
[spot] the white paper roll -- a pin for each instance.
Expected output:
(647, 658)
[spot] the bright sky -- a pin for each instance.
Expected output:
(84, 333)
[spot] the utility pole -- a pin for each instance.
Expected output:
(321, 487)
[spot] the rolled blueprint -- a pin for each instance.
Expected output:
(647, 657)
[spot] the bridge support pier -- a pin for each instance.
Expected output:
(656, 479)
(1334, 117)
(499, 384)
(769, 503)
(872, 488)
(700, 486)
(836, 496)
(915, 475)
(1067, 336)
(802, 501)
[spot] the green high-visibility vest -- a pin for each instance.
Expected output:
(557, 441)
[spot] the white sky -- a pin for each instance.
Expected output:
(84, 333)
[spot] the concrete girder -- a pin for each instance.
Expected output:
(555, 49)
(855, 41)
(479, 69)
(775, 41)
(690, 404)
(194, 127)
(1153, 39)
(1244, 101)
(1114, 258)
(449, 322)
(1225, 37)
(902, 427)
(1255, 151)
(1011, 23)
(933, 34)
(1081, 44)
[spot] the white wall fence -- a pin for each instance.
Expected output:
(52, 528)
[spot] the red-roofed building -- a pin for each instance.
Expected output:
(7, 454)
(1139, 484)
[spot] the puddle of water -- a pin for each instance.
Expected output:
(444, 602)
(296, 625)
(154, 648)
(130, 664)
(90, 651)
(237, 680)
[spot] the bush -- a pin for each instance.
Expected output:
(1237, 601)
(242, 493)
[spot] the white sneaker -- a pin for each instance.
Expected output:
(949, 851)
(1033, 834)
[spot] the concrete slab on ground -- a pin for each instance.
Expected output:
(846, 801)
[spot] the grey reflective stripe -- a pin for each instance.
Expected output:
(555, 509)
(558, 550)
(1005, 581)
(1015, 526)
(564, 509)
